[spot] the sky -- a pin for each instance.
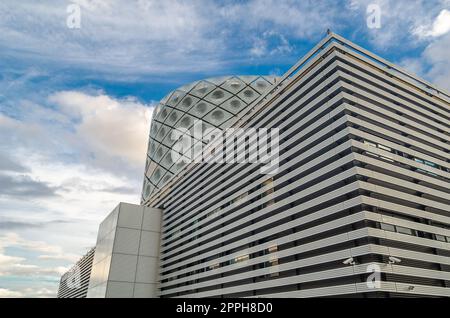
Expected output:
(77, 95)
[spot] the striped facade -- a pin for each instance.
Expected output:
(364, 174)
(75, 283)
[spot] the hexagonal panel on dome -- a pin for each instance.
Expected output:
(179, 165)
(248, 95)
(233, 85)
(201, 109)
(187, 149)
(218, 96)
(163, 113)
(176, 97)
(170, 138)
(173, 117)
(234, 105)
(160, 152)
(260, 85)
(162, 132)
(154, 128)
(167, 161)
(165, 179)
(202, 89)
(185, 122)
(153, 146)
(157, 175)
(151, 168)
(187, 102)
(148, 189)
(217, 117)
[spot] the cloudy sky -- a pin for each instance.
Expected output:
(76, 103)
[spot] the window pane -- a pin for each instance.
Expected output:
(387, 227)
(384, 148)
(440, 237)
(404, 230)
(241, 258)
(273, 248)
(370, 143)
(431, 164)
(387, 158)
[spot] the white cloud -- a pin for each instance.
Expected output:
(16, 266)
(144, 36)
(417, 30)
(437, 56)
(401, 22)
(19, 269)
(433, 63)
(95, 129)
(39, 292)
(299, 19)
(106, 126)
(269, 44)
(440, 26)
(61, 256)
(28, 292)
(12, 239)
(6, 293)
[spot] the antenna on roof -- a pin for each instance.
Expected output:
(329, 31)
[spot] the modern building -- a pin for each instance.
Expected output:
(358, 205)
(75, 283)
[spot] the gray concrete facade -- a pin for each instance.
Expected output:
(127, 254)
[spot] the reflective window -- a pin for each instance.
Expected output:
(387, 227)
(404, 230)
(241, 258)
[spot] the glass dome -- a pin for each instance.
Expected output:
(216, 102)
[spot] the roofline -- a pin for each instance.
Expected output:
(422, 84)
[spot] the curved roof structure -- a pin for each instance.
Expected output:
(217, 102)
